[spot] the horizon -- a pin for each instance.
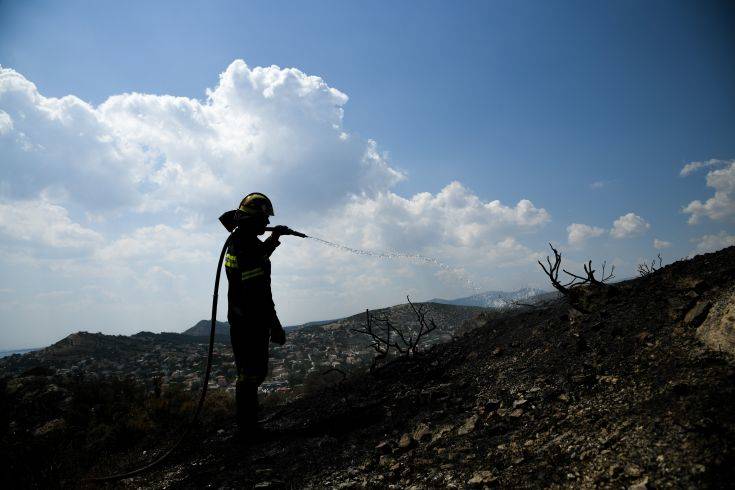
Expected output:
(224, 320)
(463, 138)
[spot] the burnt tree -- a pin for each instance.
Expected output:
(386, 336)
(576, 288)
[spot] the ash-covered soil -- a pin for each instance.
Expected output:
(625, 396)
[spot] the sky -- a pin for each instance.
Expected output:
(473, 133)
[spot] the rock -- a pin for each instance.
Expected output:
(407, 442)
(717, 331)
(422, 432)
(696, 315)
(469, 425)
(50, 427)
(386, 460)
(384, 447)
(492, 404)
(641, 485)
(482, 478)
(441, 432)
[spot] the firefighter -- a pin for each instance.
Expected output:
(250, 310)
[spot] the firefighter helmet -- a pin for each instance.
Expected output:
(256, 203)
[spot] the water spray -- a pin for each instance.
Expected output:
(458, 273)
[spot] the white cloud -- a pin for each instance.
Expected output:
(660, 244)
(46, 223)
(266, 128)
(712, 243)
(692, 167)
(6, 124)
(126, 195)
(160, 243)
(579, 233)
(720, 206)
(453, 217)
(629, 225)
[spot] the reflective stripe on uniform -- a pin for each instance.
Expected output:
(231, 261)
(249, 274)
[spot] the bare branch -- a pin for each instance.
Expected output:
(576, 281)
(386, 336)
(645, 269)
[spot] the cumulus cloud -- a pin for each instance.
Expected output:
(261, 128)
(126, 194)
(721, 206)
(660, 244)
(453, 217)
(45, 223)
(712, 243)
(579, 233)
(629, 225)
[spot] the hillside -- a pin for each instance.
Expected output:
(625, 396)
(495, 299)
(636, 393)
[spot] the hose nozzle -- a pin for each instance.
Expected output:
(285, 230)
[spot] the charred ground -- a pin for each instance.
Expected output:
(626, 395)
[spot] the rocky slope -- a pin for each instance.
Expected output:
(627, 395)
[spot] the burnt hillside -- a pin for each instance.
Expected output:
(624, 396)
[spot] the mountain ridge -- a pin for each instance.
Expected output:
(494, 299)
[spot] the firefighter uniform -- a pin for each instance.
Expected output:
(252, 316)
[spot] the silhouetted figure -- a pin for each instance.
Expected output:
(251, 312)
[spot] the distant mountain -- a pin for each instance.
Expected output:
(493, 299)
(202, 328)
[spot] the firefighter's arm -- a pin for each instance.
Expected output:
(278, 335)
(270, 243)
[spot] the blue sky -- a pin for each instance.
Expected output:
(589, 110)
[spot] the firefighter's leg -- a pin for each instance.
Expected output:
(252, 344)
(246, 399)
(244, 388)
